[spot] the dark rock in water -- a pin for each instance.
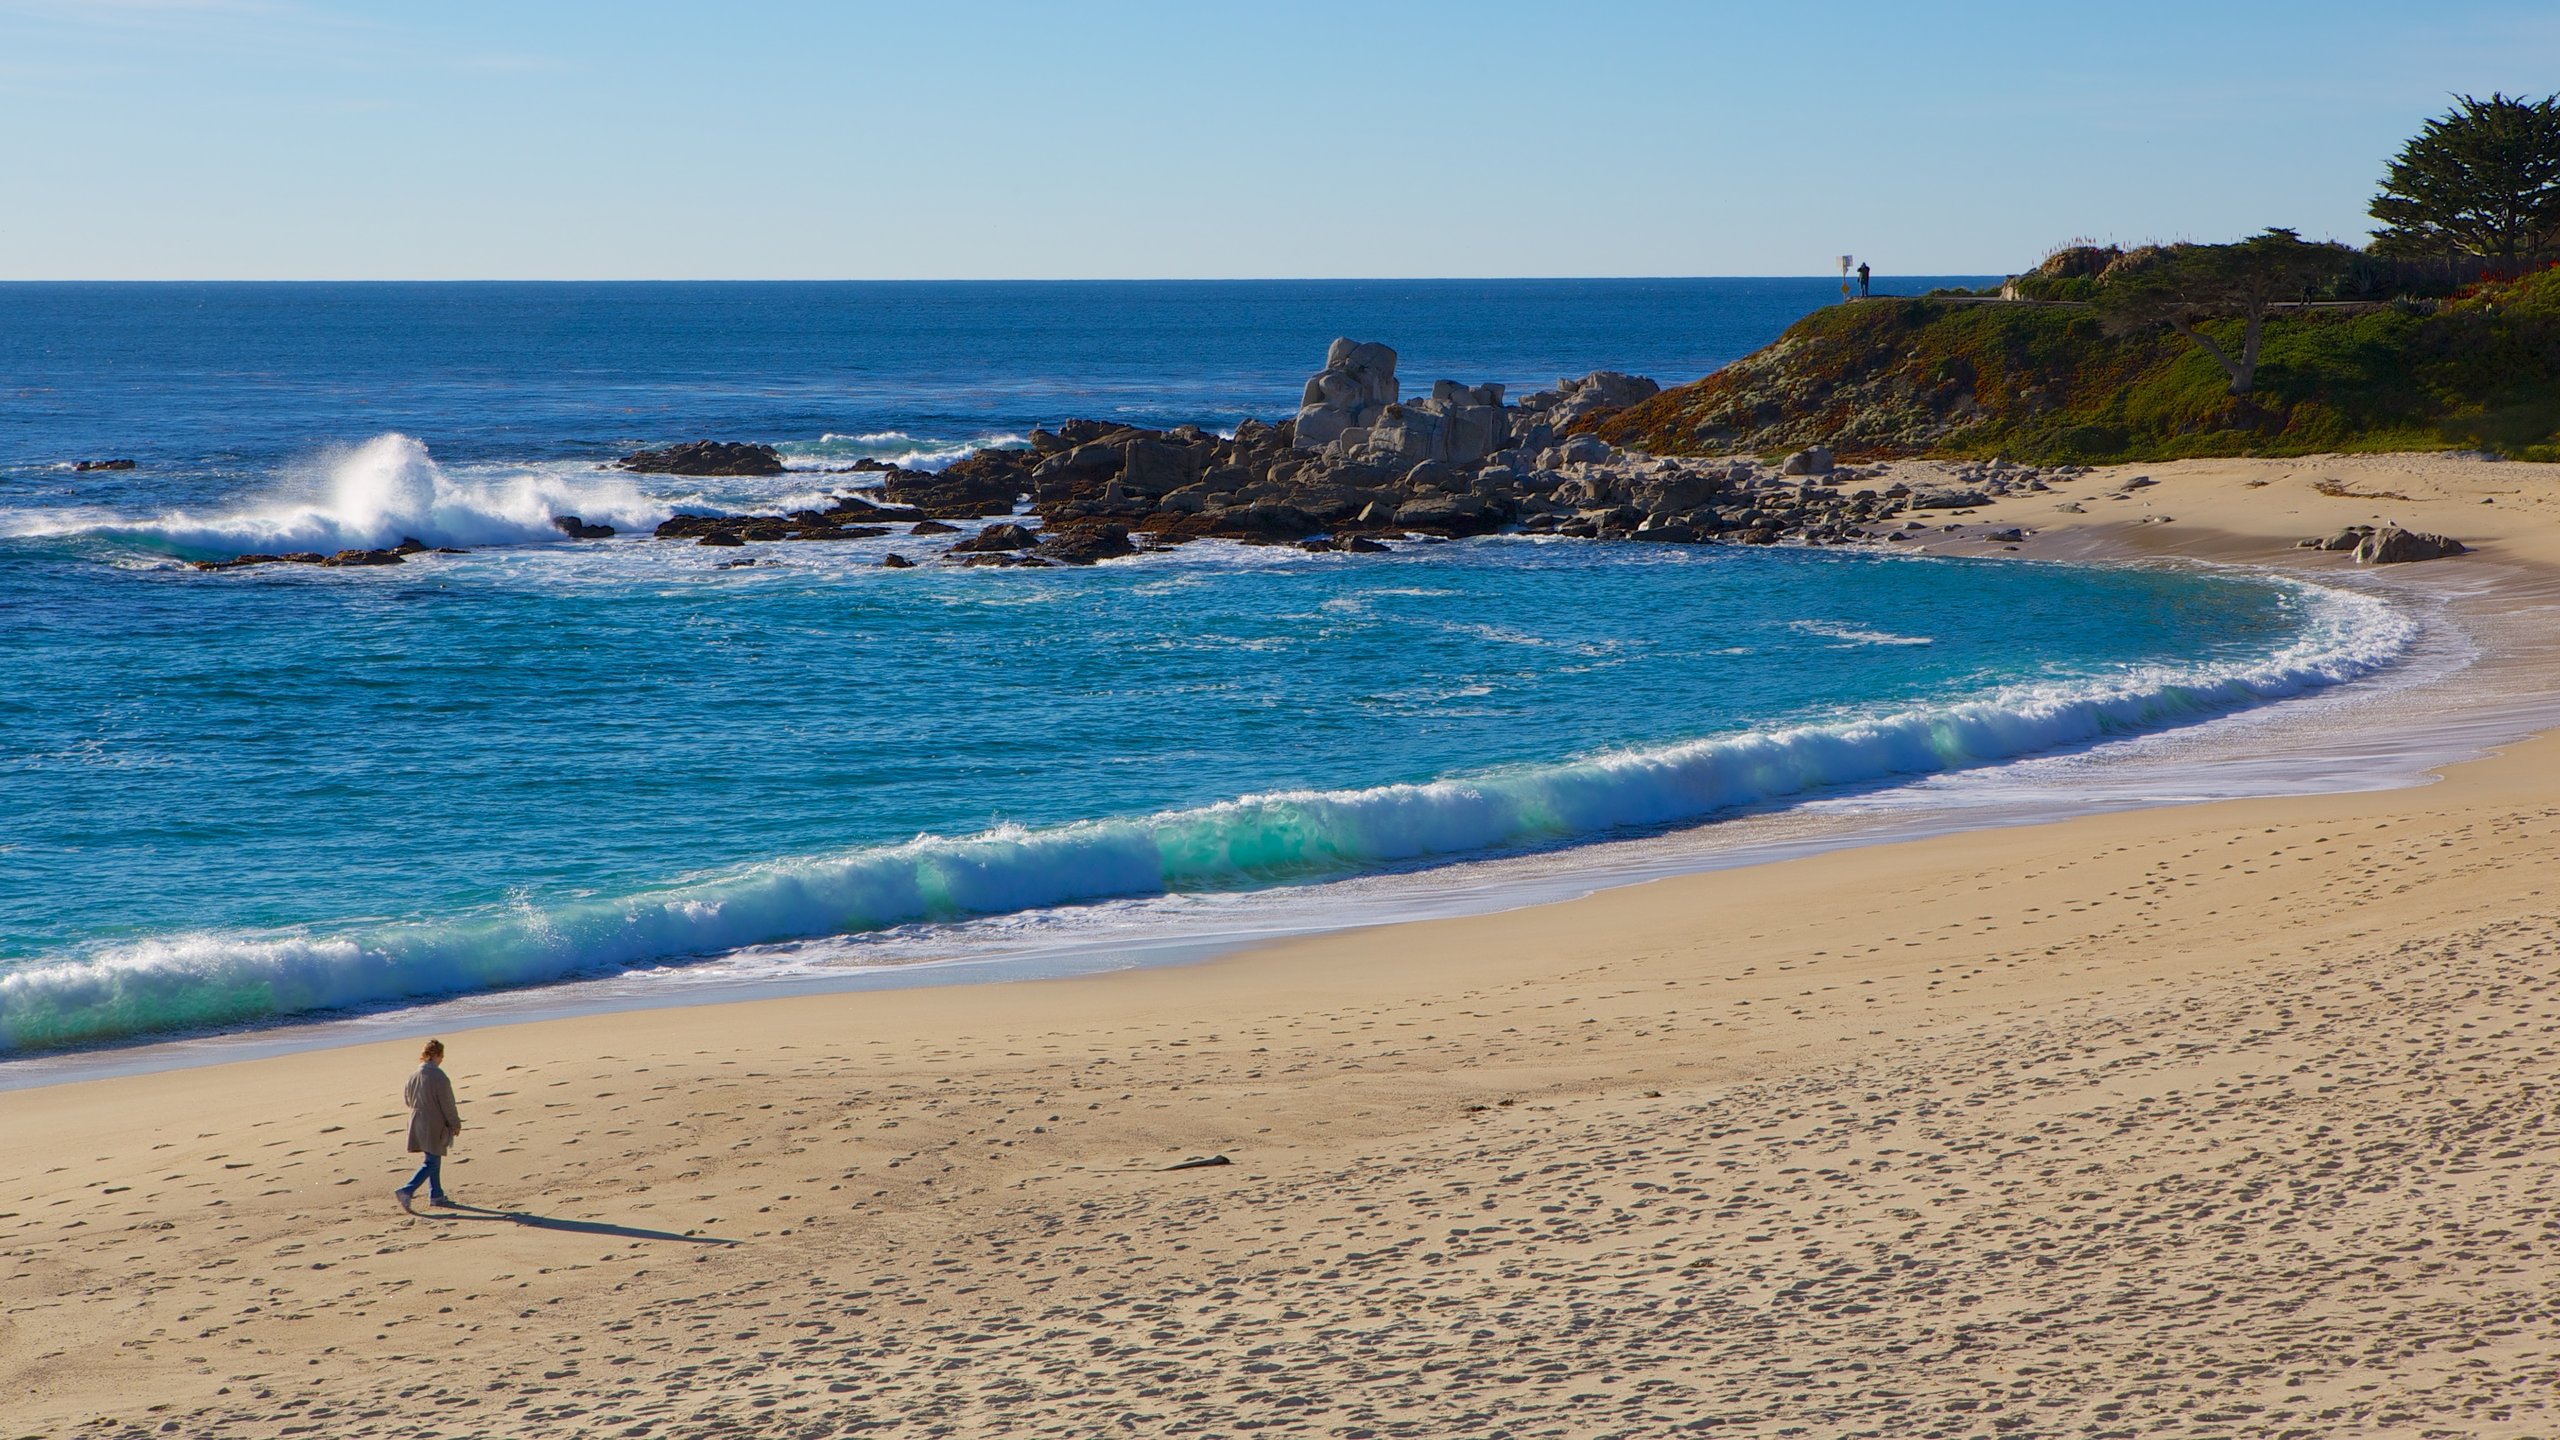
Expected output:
(996, 538)
(1087, 544)
(103, 465)
(451, 550)
(721, 537)
(987, 483)
(1007, 560)
(2392, 545)
(1673, 533)
(686, 527)
(1438, 512)
(1363, 545)
(302, 557)
(839, 532)
(706, 457)
(410, 545)
(237, 562)
(365, 557)
(863, 510)
(895, 561)
(577, 529)
(932, 527)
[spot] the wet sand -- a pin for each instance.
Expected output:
(2232, 1119)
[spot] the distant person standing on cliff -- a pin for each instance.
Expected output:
(433, 1122)
(1862, 279)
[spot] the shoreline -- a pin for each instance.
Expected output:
(2132, 1121)
(1100, 936)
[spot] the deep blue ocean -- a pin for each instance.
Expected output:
(242, 797)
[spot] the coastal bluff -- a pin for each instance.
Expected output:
(2050, 382)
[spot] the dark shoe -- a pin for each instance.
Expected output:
(404, 1196)
(445, 1200)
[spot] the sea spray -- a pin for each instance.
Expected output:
(379, 493)
(212, 979)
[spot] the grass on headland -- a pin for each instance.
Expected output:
(2045, 384)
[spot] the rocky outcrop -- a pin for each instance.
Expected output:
(1949, 500)
(577, 529)
(997, 538)
(2387, 545)
(1087, 544)
(1457, 462)
(388, 555)
(1352, 392)
(1580, 403)
(2392, 545)
(706, 457)
(103, 465)
(989, 482)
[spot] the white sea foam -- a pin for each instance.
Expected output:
(377, 494)
(212, 979)
(1855, 635)
(897, 447)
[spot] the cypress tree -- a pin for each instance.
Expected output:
(2483, 179)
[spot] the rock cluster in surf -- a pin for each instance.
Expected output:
(706, 457)
(1356, 466)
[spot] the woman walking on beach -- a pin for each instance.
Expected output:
(433, 1122)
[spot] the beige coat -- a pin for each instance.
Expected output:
(433, 1119)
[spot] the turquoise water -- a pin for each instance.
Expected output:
(242, 797)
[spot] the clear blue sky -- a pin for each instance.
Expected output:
(972, 138)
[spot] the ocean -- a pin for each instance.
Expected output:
(248, 798)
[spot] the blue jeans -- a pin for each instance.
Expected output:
(430, 1175)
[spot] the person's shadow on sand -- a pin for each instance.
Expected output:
(573, 1227)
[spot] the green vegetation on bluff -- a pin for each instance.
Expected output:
(2048, 384)
(2441, 334)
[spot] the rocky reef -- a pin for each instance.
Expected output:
(706, 457)
(1356, 467)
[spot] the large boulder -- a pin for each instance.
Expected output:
(2392, 545)
(1353, 390)
(1154, 469)
(706, 457)
(1949, 500)
(1812, 460)
(995, 539)
(1585, 401)
(1087, 544)
(988, 482)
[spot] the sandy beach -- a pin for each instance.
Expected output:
(2226, 1119)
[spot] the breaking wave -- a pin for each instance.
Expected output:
(213, 979)
(378, 494)
(896, 447)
